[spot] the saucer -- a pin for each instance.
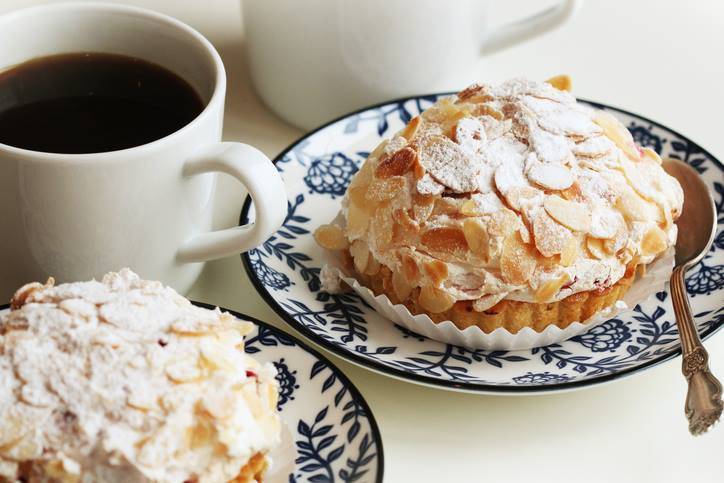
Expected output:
(317, 169)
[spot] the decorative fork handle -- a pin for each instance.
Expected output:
(703, 399)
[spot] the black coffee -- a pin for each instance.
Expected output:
(92, 102)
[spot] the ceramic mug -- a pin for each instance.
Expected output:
(313, 60)
(77, 216)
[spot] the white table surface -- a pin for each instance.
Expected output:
(663, 59)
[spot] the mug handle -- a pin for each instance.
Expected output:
(263, 182)
(529, 27)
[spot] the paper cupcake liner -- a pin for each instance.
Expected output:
(657, 274)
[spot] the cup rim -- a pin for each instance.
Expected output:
(216, 96)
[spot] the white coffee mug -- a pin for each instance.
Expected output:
(77, 216)
(313, 60)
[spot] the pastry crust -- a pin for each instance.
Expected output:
(510, 315)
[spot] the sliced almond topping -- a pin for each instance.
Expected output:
(330, 237)
(358, 196)
(613, 245)
(476, 236)
(617, 133)
(411, 128)
(649, 153)
(471, 91)
(550, 237)
(428, 186)
(605, 223)
(364, 176)
(517, 260)
(469, 133)
(551, 176)
(572, 214)
(401, 285)
(422, 206)
(435, 300)
(635, 208)
(377, 152)
(548, 289)
(397, 164)
(487, 301)
(360, 254)
(510, 175)
(404, 228)
(561, 82)
(381, 227)
(594, 147)
(503, 223)
(595, 248)
(570, 252)
(448, 240)
(654, 241)
(436, 270)
(409, 268)
(385, 189)
(448, 164)
(357, 221)
(521, 196)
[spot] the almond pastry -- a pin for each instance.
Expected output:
(523, 208)
(125, 380)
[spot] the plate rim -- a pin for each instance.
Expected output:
(376, 434)
(475, 388)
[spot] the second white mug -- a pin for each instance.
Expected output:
(150, 207)
(311, 61)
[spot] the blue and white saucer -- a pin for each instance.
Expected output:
(334, 433)
(317, 169)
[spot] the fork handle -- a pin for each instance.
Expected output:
(703, 399)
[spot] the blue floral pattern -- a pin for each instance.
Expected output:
(317, 170)
(336, 437)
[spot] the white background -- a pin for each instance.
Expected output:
(662, 59)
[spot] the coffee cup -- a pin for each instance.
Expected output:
(149, 207)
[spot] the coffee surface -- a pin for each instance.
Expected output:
(92, 102)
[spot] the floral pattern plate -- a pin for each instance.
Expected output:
(317, 169)
(335, 435)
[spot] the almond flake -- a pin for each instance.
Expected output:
(617, 133)
(436, 270)
(482, 204)
(435, 300)
(411, 128)
(330, 237)
(469, 133)
(519, 198)
(550, 148)
(446, 240)
(476, 235)
(360, 254)
(487, 301)
(357, 221)
(654, 241)
(401, 285)
(448, 164)
(517, 261)
(509, 175)
(396, 164)
(572, 214)
(561, 82)
(635, 208)
(593, 147)
(605, 223)
(550, 237)
(550, 176)
(428, 186)
(385, 189)
(557, 119)
(595, 248)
